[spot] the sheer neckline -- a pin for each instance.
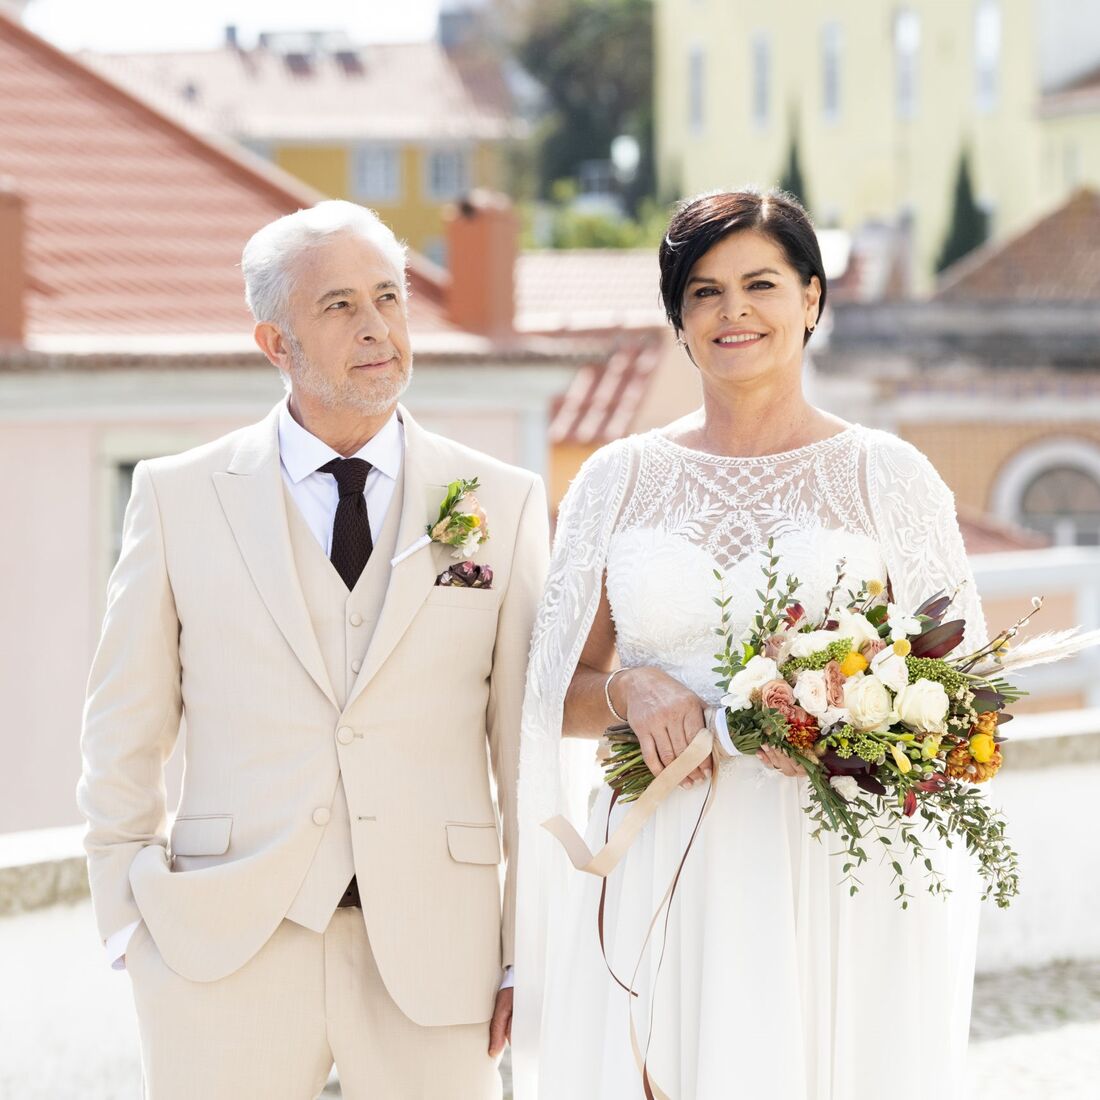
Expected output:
(743, 460)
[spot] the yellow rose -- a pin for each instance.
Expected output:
(982, 747)
(853, 664)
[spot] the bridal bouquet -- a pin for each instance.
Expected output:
(890, 725)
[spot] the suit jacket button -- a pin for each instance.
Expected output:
(321, 815)
(356, 619)
(345, 735)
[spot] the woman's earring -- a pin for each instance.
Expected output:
(813, 326)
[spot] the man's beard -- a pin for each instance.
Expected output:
(382, 395)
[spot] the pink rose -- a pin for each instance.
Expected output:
(773, 646)
(777, 695)
(834, 684)
(871, 649)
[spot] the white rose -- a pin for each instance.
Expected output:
(923, 706)
(845, 786)
(749, 681)
(811, 693)
(851, 624)
(868, 703)
(891, 669)
(806, 645)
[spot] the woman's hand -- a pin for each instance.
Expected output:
(664, 714)
(780, 761)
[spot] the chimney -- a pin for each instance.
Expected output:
(482, 238)
(13, 274)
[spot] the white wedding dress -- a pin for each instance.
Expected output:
(775, 983)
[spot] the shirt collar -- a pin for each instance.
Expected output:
(302, 453)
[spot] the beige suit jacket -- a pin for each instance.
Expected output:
(206, 622)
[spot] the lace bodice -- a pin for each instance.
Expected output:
(692, 516)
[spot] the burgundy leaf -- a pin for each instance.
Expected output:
(938, 641)
(910, 807)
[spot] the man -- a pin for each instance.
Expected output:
(330, 889)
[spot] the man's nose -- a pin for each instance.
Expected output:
(374, 328)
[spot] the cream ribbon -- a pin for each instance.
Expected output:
(603, 862)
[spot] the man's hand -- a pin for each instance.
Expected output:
(500, 1026)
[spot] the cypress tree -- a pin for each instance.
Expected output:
(792, 181)
(969, 222)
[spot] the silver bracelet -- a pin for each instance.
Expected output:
(607, 694)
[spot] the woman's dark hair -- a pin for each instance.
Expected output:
(700, 223)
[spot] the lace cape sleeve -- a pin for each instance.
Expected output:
(556, 774)
(918, 531)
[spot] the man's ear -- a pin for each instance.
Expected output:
(270, 340)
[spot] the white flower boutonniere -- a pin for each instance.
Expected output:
(461, 524)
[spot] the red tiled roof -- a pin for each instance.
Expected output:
(135, 225)
(604, 396)
(390, 92)
(1057, 259)
(1079, 96)
(587, 289)
(982, 534)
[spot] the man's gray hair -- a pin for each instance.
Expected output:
(271, 253)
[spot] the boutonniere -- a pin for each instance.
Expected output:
(461, 523)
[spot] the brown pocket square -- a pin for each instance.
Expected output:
(466, 575)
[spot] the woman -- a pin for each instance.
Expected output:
(775, 983)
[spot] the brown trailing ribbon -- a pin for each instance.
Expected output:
(609, 856)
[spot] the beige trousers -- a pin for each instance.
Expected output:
(274, 1028)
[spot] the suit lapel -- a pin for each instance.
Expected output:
(251, 495)
(412, 579)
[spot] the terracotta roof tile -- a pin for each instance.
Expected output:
(983, 534)
(1057, 259)
(587, 289)
(134, 224)
(604, 396)
(395, 91)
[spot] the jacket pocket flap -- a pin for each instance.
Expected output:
(473, 843)
(201, 836)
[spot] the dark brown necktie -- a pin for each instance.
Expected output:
(351, 538)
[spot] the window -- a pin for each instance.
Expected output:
(1053, 486)
(987, 53)
(448, 174)
(123, 483)
(761, 80)
(830, 71)
(696, 89)
(1063, 502)
(906, 51)
(377, 173)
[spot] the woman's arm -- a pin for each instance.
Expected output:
(662, 712)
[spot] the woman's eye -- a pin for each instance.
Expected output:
(706, 291)
(763, 284)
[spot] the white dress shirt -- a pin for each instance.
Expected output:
(316, 495)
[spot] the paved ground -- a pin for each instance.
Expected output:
(67, 1029)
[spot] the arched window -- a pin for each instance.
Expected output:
(1063, 502)
(1053, 487)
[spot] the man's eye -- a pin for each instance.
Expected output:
(338, 305)
(390, 296)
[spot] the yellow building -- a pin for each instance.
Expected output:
(884, 98)
(403, 128)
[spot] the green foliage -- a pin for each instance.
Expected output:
(969, 222)
(834, 651)
(594, 58)
(574, 229)
(792, 180)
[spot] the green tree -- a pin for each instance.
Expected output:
(792, 181)
(969, 222)
(594, 58)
